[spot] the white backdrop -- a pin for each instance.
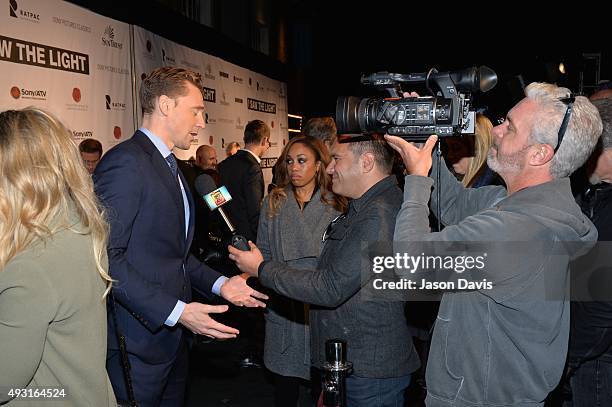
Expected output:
(78, 65)
(70, 61)
(233, 95)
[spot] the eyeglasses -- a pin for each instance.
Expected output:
(569, 101)
(331, 226)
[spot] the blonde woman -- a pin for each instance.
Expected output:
(473, 166)
(53, 264)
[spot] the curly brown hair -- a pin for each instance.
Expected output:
(323, 180)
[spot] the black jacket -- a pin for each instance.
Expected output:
(591, 334)
(241, 175)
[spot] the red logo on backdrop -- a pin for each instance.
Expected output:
(76, 94)
(15, 92)
(117, 132)
(272, 124)
(283, 141)
(148, 46)
(210, 140)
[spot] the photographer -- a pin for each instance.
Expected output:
(506, 345)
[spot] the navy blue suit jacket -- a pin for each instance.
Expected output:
(148, 252)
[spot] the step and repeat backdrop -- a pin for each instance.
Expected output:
(86, 69)
(72, 62)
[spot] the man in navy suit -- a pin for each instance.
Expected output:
(150, 211)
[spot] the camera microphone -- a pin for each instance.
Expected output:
(215, 198)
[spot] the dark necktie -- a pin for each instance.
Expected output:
(173, 165)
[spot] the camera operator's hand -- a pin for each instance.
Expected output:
(411, 95)
(417, 159)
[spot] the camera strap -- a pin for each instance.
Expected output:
(438, 170)
(125, 362)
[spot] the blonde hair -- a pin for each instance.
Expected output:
(483, 140)
(43, 181)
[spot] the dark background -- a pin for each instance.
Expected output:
(321, 48)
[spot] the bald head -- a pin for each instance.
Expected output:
(206, 157)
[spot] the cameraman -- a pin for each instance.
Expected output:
(506, 345)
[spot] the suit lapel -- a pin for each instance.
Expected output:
(164, 174)
(190, 231)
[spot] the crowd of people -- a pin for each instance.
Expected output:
(105, 260)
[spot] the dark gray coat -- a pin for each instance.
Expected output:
(379, 344)
(294, 238)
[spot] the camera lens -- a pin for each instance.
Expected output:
(347, 115)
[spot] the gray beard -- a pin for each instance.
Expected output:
(509, 164)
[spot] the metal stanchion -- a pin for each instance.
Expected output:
(335, 371)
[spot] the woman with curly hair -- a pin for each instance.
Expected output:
(292, 221)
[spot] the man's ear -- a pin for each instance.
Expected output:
(367, 162)
(165, 104)
(541, 155)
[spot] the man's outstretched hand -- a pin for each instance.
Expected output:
(236, 291)
(196, 318)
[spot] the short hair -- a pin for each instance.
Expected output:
(255, 131)
(90, 145)
(583, 129)
(604, 106)
(231, 145)
(323, 128)
(383, 153)
(167, 81)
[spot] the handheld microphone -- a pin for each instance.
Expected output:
(215, 198)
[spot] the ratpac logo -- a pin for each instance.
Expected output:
(167, 58)
(117, 132)
(13, 8)
(15, 92)
(108, 39)
(110, 105)
(15, 12)
(76, 95)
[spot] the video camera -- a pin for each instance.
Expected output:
(445, 113)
